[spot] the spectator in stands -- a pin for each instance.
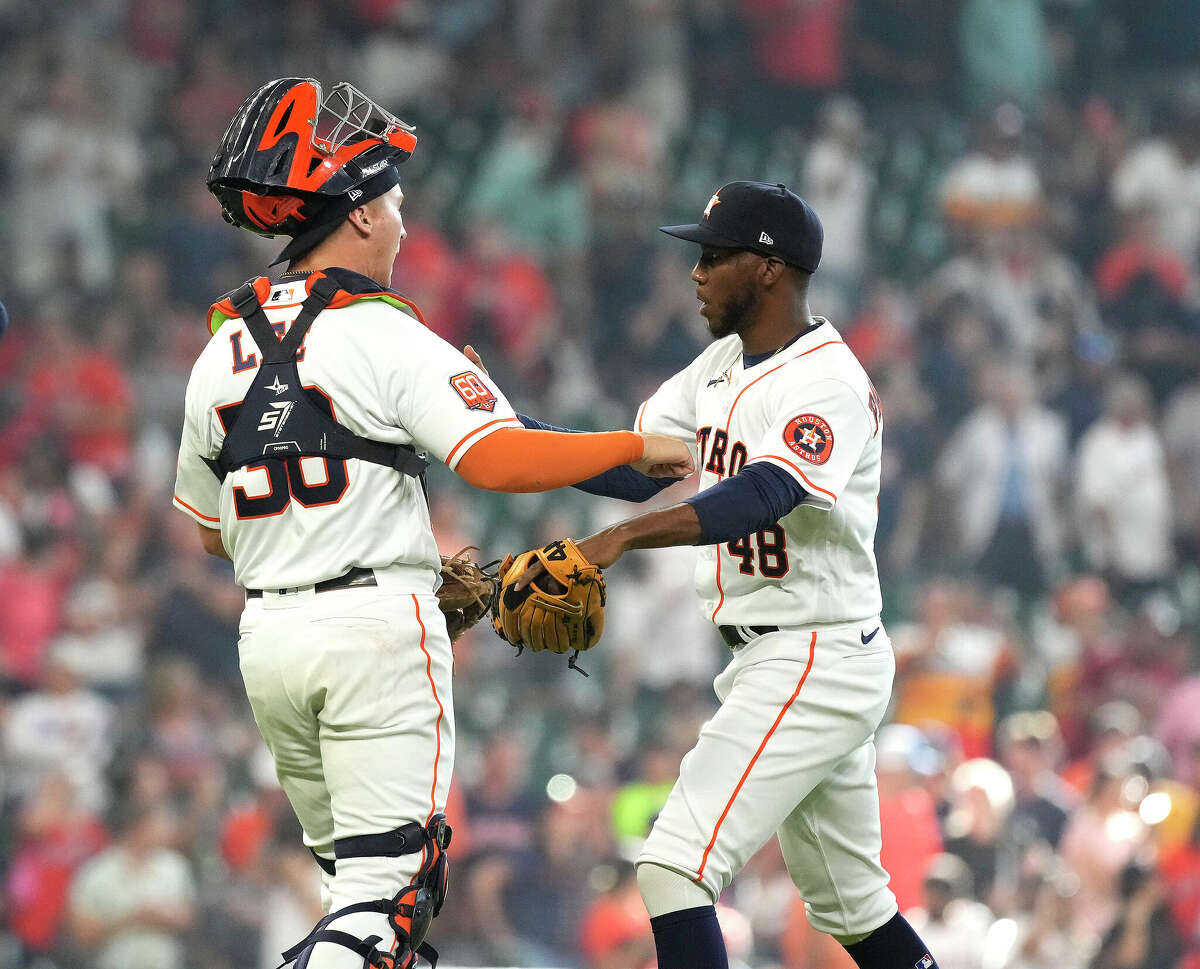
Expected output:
(1102, 837)
(614, 933)
(529, 182)
(512, 305)
(1046, 936)
(1030, 747)
(74, 163)
(955, 925)
(661, 329)
(1180, 871)
(1144, 936)
(1082, 386)
(904, 494)
(1146, 294)
(132, 905)
(644, 677)
(977, 827)
(907, 814)
(902, 51)
(838, 183)
(61, 726)
(1004, 471)
(32, 589)
(1124, 494)
(1181, 437)
(1005, 51)
(996, 184)
(1161, 176)
(799, 54)
(54, 835)
(949, 664)
(101, 639)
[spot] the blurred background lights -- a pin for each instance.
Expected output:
(1155, 807)
(561, 787)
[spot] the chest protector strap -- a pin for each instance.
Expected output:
(279, 418)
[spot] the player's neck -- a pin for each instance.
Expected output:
(775, 327)
(336, 254)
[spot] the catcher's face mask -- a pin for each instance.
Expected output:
(291, 151)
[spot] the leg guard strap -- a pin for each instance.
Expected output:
(410, 911)
(405, 840)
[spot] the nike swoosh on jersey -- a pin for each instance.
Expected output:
(865, 638)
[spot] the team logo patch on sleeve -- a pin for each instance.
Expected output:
(810, 437)
(473, 391)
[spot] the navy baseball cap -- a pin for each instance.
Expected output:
(767, 219)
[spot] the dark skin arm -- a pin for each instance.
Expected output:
(677, 525)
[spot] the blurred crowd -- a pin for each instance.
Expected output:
(1011, 197)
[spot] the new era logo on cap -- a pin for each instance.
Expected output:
(761, 217)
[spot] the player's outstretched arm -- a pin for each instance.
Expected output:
(626, 482)
(752, 499)
(518, 460)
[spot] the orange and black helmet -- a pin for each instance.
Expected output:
(294, 162)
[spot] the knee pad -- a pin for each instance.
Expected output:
(410, 912)
(664, 890)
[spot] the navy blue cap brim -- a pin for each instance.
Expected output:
(701, 234)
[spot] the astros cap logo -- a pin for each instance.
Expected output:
(715, 200)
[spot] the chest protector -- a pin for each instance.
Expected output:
(281, 420)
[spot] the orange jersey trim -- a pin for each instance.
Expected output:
(729, 418)
(198, 514)
(812, 648)
(223, 309)
(780, 457)
(437, 728)
(720, 588)
(481, 427)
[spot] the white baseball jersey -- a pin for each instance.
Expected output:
(386, 377)
(809, 409)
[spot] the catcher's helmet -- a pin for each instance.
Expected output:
(294, 162)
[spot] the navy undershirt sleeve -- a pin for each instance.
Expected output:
(622, 482)
(754, 498)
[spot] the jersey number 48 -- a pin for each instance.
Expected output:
(771, 552)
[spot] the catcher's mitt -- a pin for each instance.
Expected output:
(561, 610)
(468, 591)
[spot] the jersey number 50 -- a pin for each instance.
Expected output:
(285, 476)
(771, 551)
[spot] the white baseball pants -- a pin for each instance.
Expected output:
(351, 689)
(790, 752)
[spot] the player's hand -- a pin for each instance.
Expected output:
(602, 549)
(475, 358)
(664, 457)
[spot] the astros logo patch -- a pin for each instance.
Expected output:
(810, 437)
(473, 391)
